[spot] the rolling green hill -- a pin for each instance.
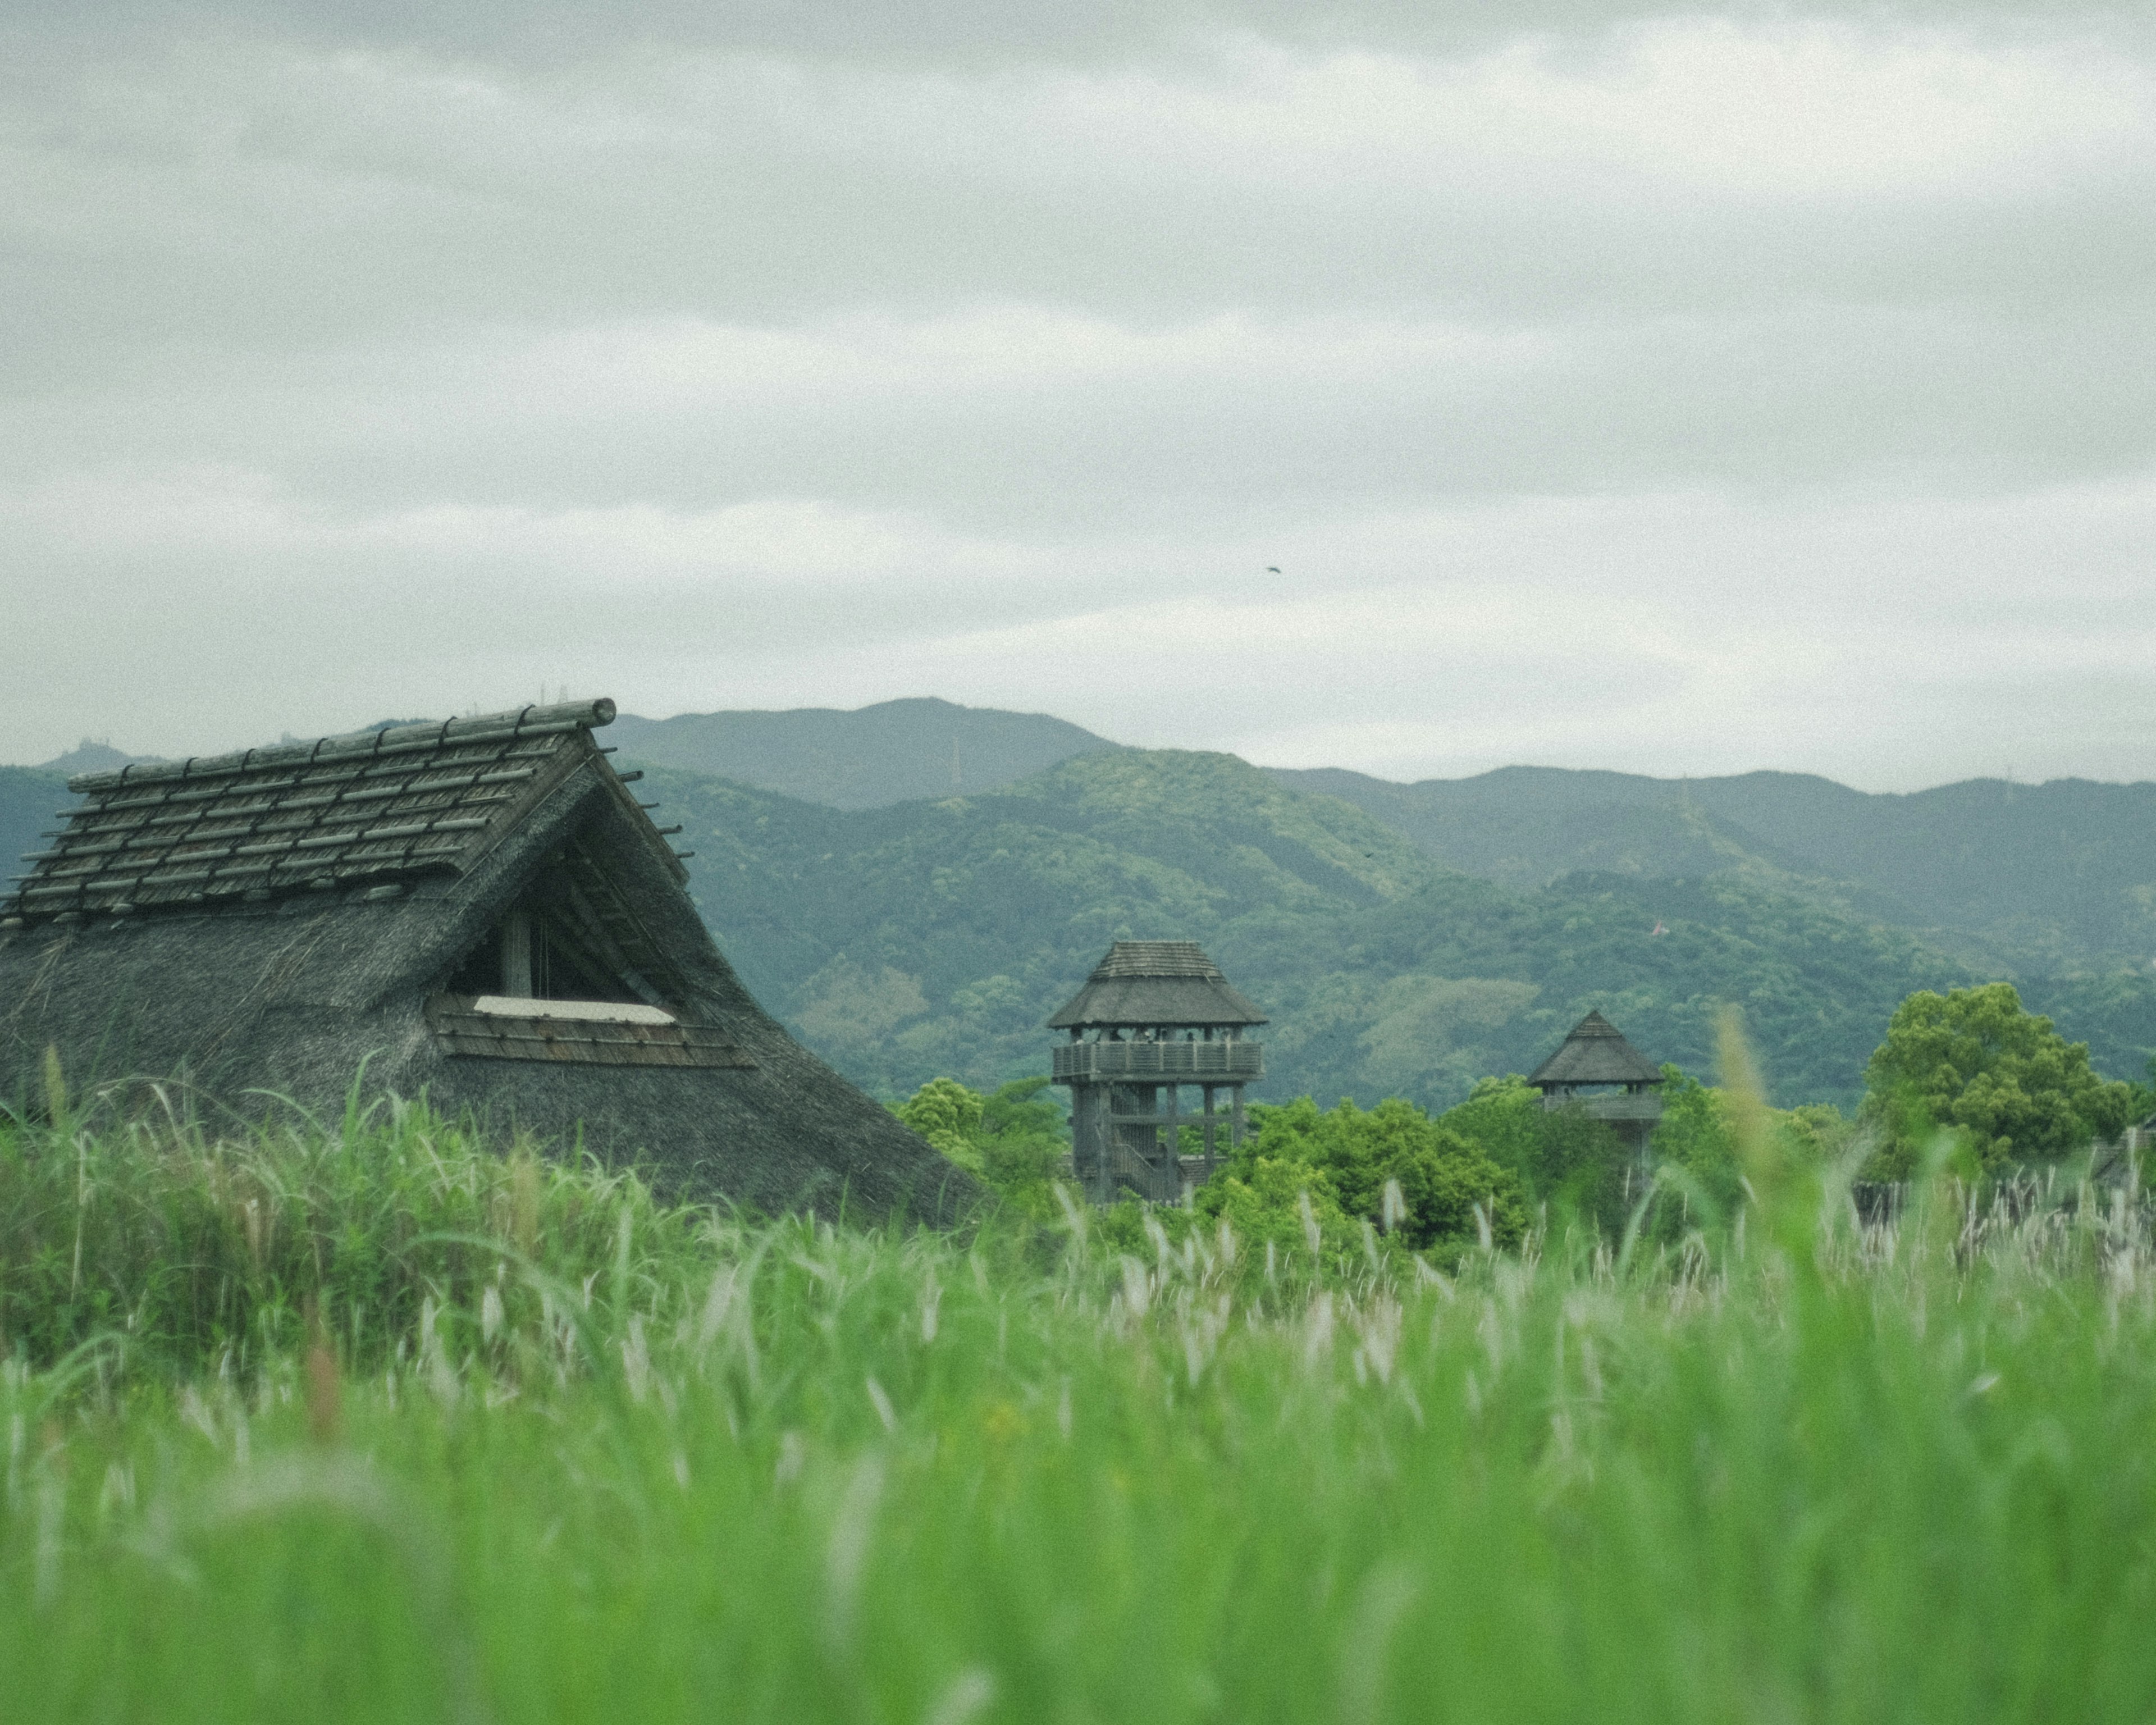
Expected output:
(2051, 886)
(2047, 879)
(935, 936)
(866, 758)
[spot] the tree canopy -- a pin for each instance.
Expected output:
(1013, 1137)
(1975, 1062)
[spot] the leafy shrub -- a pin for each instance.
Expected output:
(948, 1115)
(1349, 1160)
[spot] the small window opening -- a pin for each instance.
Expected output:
(533, 955)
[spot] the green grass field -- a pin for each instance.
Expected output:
(367, 1424)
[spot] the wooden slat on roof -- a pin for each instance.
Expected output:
(376, 807)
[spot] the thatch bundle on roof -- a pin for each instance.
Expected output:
(1595, 1053)
(478, 909)
(1155, 983)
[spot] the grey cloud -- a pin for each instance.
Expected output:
(824, 353)
(985, 32)
(282, 202)
(1280, 422)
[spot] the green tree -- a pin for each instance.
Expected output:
(2141, 1092)
(1561, 1156)
(1975, 1062)
(1013, 1138)
(1349, 1157)
(1263, 1199)
(1696, 1137)
(948, 1115)
(1023, 1145)
(1503, 1117)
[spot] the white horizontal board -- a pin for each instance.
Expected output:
(588, 1012)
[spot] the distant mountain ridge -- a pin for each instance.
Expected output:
(31, 799)
(91, 755)
(2052, 877)
(867, 757)
(936, 936)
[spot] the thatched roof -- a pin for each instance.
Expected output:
(379, 806)
(1143, 983)
(266, 921)
(1595, 1053)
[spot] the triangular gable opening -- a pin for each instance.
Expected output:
(570, 935)
(569, 972)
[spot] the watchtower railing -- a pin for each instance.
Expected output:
(1609, 1106)
(1194, 1062)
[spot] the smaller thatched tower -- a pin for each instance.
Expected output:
(1596, 1068)
(1154, 1017)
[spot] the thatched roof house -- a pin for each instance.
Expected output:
(479, 909)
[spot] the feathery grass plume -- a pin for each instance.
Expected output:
(1758, 1151)
(1783, 1192)
(324, 1393)
(967, 1697)
(524, 1182)
(846, 1551)
(1155, 1483)
(56, 1093)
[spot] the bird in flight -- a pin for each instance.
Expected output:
(1272, 569)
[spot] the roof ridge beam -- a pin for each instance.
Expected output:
(505, 726)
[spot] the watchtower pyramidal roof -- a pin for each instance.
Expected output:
(1595, 1052)
(1141, 983)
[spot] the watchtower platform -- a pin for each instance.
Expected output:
(1155, 1018)
(1596, 1069)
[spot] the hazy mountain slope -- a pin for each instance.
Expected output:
(29, 798)
(2113, 1011)
(1815, 985)
(89, 755)
(1529, 825)
(2046, 878)
(868, 758)
(936, 936)
(2064, 873)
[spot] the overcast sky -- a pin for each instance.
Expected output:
(1681, 393)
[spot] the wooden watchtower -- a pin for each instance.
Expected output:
(1619, 1080)
(1154, 1017)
